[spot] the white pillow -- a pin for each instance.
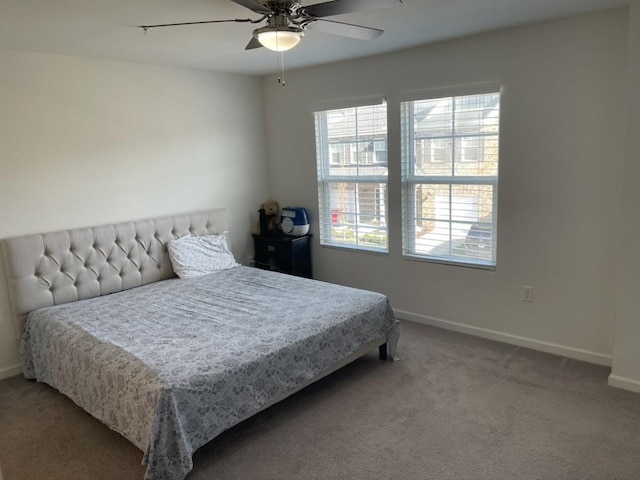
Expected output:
(196, 256)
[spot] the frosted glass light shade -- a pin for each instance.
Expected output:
(279, 40)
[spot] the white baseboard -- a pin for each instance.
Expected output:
(624, 383)
(10, 371)
(562, 350)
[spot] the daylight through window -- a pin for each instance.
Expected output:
(351, 150)
(450, 177)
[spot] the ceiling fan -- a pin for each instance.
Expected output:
(287, 20)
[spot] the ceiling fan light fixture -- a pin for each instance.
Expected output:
(279, 39)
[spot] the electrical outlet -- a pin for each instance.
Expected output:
(527, 293)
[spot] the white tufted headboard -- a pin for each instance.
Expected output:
(60, 267)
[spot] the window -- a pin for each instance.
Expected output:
(450, 177)
(471, 149)
(440, 149)
(351, 150)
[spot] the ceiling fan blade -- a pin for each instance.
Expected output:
(345, 29)
(254, 43)
(338, 7)
(239, 20)
(254, 6)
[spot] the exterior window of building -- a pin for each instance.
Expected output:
(440, 150)
(336, 157)
(471, 149)
(450, 176)
(352, 191)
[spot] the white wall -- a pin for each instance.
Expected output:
(626, 364)
(560, 180)
(87, 142)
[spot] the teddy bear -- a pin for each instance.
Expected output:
(269, 222)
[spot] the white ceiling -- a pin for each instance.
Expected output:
(107, 29)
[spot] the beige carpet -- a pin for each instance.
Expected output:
(455, 407)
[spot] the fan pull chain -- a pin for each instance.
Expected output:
(280, 60)
(281, 80)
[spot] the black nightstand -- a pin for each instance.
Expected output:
(283, 253)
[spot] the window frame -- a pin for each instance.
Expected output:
(325, 179)
(411, 180)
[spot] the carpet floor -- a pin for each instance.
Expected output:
(454, 407)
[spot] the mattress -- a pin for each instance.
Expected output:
(172, 364)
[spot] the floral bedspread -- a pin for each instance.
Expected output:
(173, 364)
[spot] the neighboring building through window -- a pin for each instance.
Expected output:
(450, 176)
(351, 151)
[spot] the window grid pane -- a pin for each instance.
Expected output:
(450, 178)
(351, 150)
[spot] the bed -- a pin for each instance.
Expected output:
(171, 363)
